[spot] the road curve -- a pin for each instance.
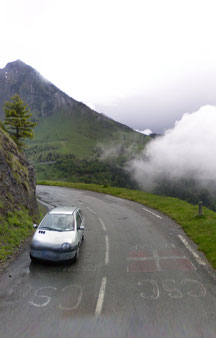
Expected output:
(137, 276)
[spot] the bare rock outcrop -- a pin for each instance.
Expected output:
(17, 178)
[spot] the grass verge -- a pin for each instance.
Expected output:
(201, 229)
(14, 230)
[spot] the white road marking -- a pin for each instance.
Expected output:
(102, 224)
(101, 295)
(107, 250)
(46, 298)
(168, 245)
(80, 295)
(155, 290)
(151, 288)
(152, 213)
(86, 268)
(156, 257)
(172, 291)
(192, 293)
(92, 211)
(196, 256)
(192, 264)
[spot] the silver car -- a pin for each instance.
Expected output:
(59, 235)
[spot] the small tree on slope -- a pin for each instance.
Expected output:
(17, 123)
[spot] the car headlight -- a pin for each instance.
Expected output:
(68, 247)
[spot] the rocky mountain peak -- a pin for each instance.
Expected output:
(15, 65)
(10, 74)
(43, 98)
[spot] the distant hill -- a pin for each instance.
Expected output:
(65, 126)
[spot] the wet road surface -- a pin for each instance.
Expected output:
(137, 275)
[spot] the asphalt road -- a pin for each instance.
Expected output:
(137, 276)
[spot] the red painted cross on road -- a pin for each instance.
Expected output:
(158, 260)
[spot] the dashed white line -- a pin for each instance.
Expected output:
(107, 250)
(152, 213)
(102, 224)
(101, 295)
(92, 211)
(196, 256)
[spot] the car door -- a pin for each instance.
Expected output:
(78, 224)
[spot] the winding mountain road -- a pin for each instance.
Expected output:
(137, 276)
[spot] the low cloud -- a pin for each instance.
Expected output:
(113, 150)
(145, 132)
(186, 151)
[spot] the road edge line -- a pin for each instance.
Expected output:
(152, 213)
(187, 245)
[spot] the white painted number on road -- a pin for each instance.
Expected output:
(71, 295)
(42, 300)
(196, 288)
(189, 287)
(151, 290)
(74, 292)
(169, 286)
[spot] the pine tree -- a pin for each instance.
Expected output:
(17, 123)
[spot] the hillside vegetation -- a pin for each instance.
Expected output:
(201, 229)
(18, 205)
(80, 134)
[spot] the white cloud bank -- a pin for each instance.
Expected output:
(145, 132)
(186, 151)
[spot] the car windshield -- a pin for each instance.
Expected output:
(58, 222)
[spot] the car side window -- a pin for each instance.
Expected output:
(78, 220)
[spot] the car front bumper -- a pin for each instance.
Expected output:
(53, 256)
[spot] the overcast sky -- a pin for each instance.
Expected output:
(143, 63)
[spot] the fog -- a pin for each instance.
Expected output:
(159, 108)
(185, 151)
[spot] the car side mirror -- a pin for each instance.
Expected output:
(35, 226)
(82, 227)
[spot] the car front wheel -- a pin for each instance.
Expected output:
(33, 259)
(77, 254)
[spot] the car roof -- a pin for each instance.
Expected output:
(63, 210)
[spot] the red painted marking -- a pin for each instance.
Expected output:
(146, 266)
(141, 253)
(170, 252)
(176, 264)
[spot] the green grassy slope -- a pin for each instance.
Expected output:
(79, 132)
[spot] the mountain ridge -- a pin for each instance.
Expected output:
(64, 125)
(59, 97)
